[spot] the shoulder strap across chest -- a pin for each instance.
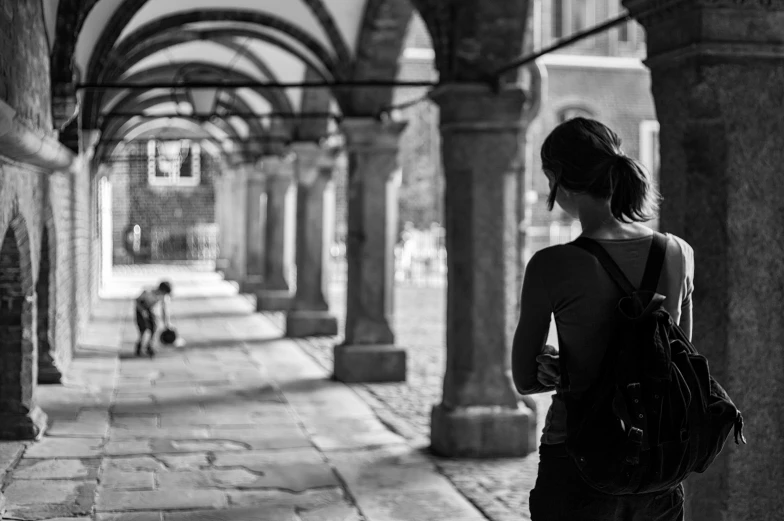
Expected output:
(653, 266)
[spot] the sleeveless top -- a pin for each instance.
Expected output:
(571, 284)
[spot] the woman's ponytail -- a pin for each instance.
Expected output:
(584, 156)
(634, 198)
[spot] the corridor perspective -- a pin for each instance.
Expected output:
(235, 423)
(344, 198)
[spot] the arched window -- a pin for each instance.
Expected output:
(567, 113)
(173, 163)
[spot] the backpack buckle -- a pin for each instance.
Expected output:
(633, 446)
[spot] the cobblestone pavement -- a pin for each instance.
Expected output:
(236, 424)
(498, 487)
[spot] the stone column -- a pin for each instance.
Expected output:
(309, 314)
(479, 415)
(368, 353)
(237, 223)
(222, 208)
(275, 294)
(254, 231)
(717, 72)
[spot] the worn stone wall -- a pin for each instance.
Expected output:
(24, 62)
(55, 200)
(135, 201)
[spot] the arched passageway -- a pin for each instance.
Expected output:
(20, 418)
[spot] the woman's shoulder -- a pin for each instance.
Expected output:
(553, 255)
(683, 250)
(684, 247)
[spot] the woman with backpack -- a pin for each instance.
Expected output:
(592, 180)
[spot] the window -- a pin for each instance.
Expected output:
(649, 147)
(567, 113)
(558, 18)
(173, 163)
(649, 155)
(572, 16)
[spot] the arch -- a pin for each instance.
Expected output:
(71, 15)
(132, 102)
(20, 418)
(46, 291)
(379, 45)
(571, 107)
(99, 60)
(133, 56)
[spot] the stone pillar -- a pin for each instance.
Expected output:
(254, 232)
(275, 294)
(368, 353)
(717, 73)
(222, 208)
(479, 415)
(237, 199)
(309, 314)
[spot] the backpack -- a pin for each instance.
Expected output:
(655, 414)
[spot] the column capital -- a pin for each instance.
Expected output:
(371, 133)
(278, 166)
(476, 107)
(312, 161)
(683, 29)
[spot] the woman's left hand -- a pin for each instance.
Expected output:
(549, 369)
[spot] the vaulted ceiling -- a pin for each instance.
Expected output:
(253, 42)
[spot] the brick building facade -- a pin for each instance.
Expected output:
(165, 212)
(602, 77)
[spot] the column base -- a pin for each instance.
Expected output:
(369, 363)
(301, 324)
(482, 432)
(251, 284)
(21, 426)
(222, 264)
(49, 374)
(273, 300)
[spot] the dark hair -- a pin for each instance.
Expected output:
(585, 156)
(165, 287)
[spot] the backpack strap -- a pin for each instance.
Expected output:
(607, 262)
(653, 267)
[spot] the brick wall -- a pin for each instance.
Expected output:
(58, 201)
(135, 201)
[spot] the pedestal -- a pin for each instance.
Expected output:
(369, 363)
(22, 425)
(483, 432)
(300, 324)
(273, 300)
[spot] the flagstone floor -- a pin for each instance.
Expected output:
(236, 424)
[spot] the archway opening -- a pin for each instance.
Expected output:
(11, 325)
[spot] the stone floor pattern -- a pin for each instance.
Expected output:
(237, 424)
(499, 488)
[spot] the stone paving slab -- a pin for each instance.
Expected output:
(46, 499)
(118, 501)
(244, 425)
(49, 469)
(50, 447)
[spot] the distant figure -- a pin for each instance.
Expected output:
(145, 316)
(407, 236)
